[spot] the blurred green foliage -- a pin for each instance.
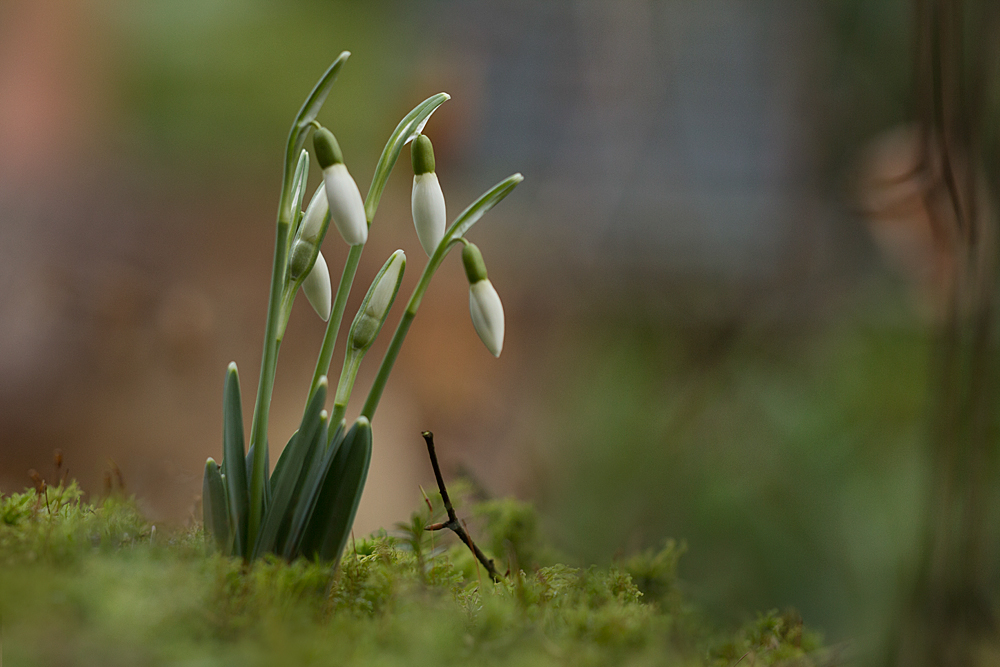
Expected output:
(791, 461)
(209, 86)
(89, 583)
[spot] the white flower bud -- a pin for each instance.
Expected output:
(487, 315)
(317, 288)
(429, 214)
(375, 307)
(427, 201)
(312, 220)
(347, 209)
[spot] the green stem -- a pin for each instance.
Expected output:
(378, 386)
(352, 362)
(269, 361)
(285, 311)
(333, 326)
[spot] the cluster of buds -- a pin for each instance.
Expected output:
(338, 200)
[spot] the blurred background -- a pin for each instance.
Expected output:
(718, 313)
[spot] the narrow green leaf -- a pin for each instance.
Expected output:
(282, 461)
(307, 114)
(250, 461)
(233, 462)
(302, 492)
(478, 208)
(338, 500)
(317, 469)
(213, 500)
(312, 105)
(408, 128)
(278, 511)
(298, 192)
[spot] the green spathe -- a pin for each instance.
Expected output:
(472, 260)
(327, 149)
(422, 153)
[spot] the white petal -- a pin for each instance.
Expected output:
(347, 210)
(317, 288)
(487, 315)
(312, 220)
(429, 214)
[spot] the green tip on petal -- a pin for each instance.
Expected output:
(327, 149)
(422, 152)
(475, 267)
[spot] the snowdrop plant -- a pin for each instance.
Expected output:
(305, 507)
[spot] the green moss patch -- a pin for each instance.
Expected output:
(95, 583)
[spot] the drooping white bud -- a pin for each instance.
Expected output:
(347, 209)
(317, 288)
(484, 302)
(427, 200)
(487, 315)
(429, 214)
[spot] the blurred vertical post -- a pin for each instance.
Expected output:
(949, 619)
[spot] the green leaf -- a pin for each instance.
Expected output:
(233, 462)
(283, 489)
(213, 500)
(478, 208)
(298, 192)
(250, 461)
(307, 498)
(282, 463)
(408, 128)
(267, 478)
(337, 503)
(307, 114)
(310, 108)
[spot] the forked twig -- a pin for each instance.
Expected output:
(453, 524)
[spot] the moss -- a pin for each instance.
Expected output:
(88, 583)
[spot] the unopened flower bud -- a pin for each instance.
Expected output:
(317, 288)
(377, 303)
(427, 200)
(347, 210)
(299, 259)
(311, 228)
(484, 302)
